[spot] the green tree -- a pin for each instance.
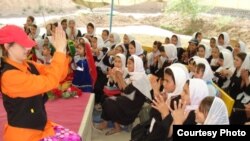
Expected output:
(190, 8)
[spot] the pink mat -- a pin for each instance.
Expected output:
(66, 112)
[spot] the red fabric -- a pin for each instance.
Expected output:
(111, 92)
(91, 63)
(65, 112)
(13, 33)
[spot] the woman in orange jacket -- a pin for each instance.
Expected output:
(24, 83)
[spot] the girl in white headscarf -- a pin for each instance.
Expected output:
(135, 90)
(97, 45)
(224, 72)
(176, 40)
(203, 51)
(168, 57)
(224, 40)
(127, 38)
(114, 39)
(212, 111)
(153, 56)
(192, 93)
(71, 31)
(239, 88)
(198, 36)
(119, 65)
(91, 29)
(204, 72)
(239, 47)
(135, 48)
(173, 82)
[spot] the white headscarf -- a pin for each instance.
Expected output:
(228, 60)
(216, 41)
(93, 33)
(130, 37)
(207, 50)
(138, 48)
(85, 40)
(218, 114)
(183, 67)
(198, 90)
(180, 80)
(171, 51)
(100, 42)
(244, 65)
(139, 78)
(226, 39)
(123, 58)
(116, 38)
(242, 46)
(178, 45)
(68, 30)
(208, 73)
(123, 47)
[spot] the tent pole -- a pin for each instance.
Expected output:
(111, 16)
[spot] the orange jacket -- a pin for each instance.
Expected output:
(16, 83)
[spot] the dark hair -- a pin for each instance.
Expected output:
(229, 48)
(221, 56)
(168, 71)
(121, 48)
(175, 36)
(242, 56)
(83, 46)
(107, 31)
(213, 39)
(46, 45)
(158, 44)
(197, 34)
(201, 46)
(191, 61)
(55, 24)
(31, 18)
(63, 21)
(34, 25)
(90, 24)
(206, 104)
(201, 67)
(221, 36)
(133, 43)
(161, 49)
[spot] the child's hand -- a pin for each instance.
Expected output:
(179, 114)
(160, 105)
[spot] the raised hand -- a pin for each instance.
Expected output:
(155, 84)
(59, 40)
(179, 114)
(160, 105)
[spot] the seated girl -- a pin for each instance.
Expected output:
(122, 110)
(193, 92)
(119, 65)
(224, 72)
(212, 111)
(204, 72)
(239, 88)
(168, 57)
(173, 82)
(214, 59)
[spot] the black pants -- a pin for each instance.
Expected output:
(99, 85)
